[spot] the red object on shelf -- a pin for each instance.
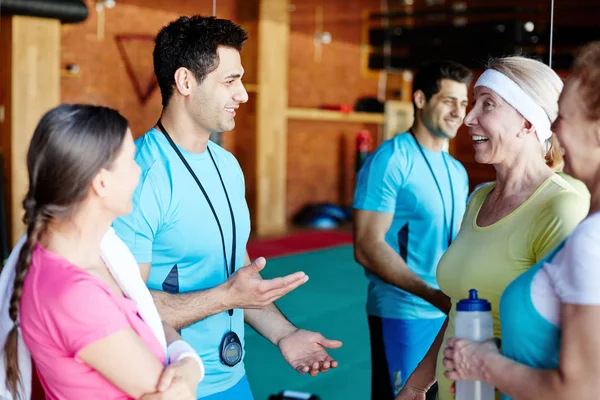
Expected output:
(345, 108)
(364, 141)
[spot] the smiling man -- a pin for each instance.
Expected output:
(410, 198)
(190, 221)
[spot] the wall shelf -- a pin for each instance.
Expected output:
(316, 114)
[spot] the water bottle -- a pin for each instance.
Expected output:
(474, 322)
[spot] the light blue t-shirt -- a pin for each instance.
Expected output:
(396, 180)
(173, 228)
(528, 337)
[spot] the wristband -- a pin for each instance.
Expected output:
(179, 349)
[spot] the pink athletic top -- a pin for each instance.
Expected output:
(63, 310)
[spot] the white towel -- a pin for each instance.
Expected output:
(124, 269)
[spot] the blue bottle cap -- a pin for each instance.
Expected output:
(473, 303)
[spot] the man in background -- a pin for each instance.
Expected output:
(410, 198)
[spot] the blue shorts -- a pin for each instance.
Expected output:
(397, 347)
(240, 391)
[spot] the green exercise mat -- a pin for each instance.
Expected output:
(331, 302)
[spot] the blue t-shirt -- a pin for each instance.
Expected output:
(396, 180)
(173, 228)
(528, 337)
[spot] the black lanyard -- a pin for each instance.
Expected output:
(233, 244)
(451, 226)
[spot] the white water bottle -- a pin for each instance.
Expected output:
(474, 322)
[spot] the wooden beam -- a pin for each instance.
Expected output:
(245, 124)
(316, 114)
(251, 87)
(271, 117)
(30, 81)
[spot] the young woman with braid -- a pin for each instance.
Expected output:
(87, 338)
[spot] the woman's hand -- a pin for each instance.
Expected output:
(178, 381)
(465, 359)
(179, 390)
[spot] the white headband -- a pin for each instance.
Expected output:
(516, 97)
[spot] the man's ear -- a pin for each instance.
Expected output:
(419, 99)
(183, 81)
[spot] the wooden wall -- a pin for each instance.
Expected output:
(29, 86)
(103, 77)
(320, 156)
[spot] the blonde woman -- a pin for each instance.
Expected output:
(551, 314)
(512, 223)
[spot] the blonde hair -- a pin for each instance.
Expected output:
(543, 85)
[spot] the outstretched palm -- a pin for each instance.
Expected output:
(305, 351)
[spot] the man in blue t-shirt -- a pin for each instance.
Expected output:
(409, 202)
(190, 221)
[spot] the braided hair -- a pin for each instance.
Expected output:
(70, 145)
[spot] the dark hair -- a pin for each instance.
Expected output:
(70, 145)
(192, 42)
(586, 69)
(429, 76)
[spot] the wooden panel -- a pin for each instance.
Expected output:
(245, 150)
(251, 87)
(103, 77)
(337, 78)
(321, 159)
(247, 17)
(35, 88)
(321, 153)
(6, 115)
(245, 141)
(271, 123)
(399, 117)
(225, 8)
(316, 114)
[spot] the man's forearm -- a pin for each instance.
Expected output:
(380, 259)
(184, 309)
(269, 322)
(171, 334)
